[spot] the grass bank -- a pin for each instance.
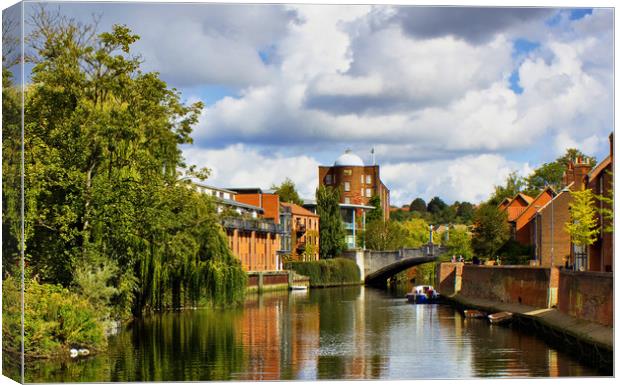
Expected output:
(328, 272)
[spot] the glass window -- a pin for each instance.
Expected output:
(347, 200)
(362, 178)
(347, 186)
(368, 179)
(368, 192)
(362, 191)
(328, 179)
(347, 172)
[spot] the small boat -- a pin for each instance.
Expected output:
(423, 294)
(298, 287)
(73, 353)
(474, 314)
(501, 317)
(83, 352)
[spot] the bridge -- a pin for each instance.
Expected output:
(377, 266)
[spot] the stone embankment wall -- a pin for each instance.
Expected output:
(583, 295)
(587, 295)
(274, 280)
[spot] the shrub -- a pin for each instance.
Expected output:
(327, 271)
(56, 319)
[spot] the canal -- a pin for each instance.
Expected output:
(336, 333)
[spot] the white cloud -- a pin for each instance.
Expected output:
(468, 178)
(240, 166)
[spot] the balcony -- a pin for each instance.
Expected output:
(261, 226)
(300, 227)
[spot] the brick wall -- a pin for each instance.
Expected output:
(508, 284)
(587, 295)
(447, 276)
(560, 239)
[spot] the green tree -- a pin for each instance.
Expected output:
(583, 223)
(607, 207)
(385, 235)
(417, 232)
(465, 212)
(513, 185)
(436, 206)
(332, 234)
(490, 230)
(459, 243)
(287, 192)
(572, 154)
(377, 213)
(418, 205)
(549, 174)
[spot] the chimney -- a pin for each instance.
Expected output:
(581, 170)
(569, 176)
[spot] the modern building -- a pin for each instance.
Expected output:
(357, 183)
(353, 219)
(252, 231)
(303, 228)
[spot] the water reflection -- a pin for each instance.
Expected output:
(340, 333)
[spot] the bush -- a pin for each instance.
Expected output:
(327, 271)
(514, 253)
(55, 320)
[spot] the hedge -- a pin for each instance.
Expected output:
(326, 272)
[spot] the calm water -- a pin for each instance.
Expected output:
(339, 333)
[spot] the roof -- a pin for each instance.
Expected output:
(214, 188)
(599, 168)
(239, 204)
(246, 190)
(349, 159)
(506, 200)
(565, 189)
(298, 210)
(526, 198)
(311, 203)
(553, 194)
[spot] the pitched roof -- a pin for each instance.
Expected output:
(298, 210)
(566, 189)
(553, 195)
(528, 199)
(599, 168)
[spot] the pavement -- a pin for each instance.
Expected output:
(587, 331)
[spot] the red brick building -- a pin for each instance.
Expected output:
(304, 232)
(521, 225)
(357, 182)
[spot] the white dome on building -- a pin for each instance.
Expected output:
(349, 159)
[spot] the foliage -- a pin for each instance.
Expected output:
(464, 212)
(549, 174)
(607, 206)
(582, 225)
(514, 253)
(417, 232)
(490, 230)
(436, 205)
(332, 233)
(459, 243)
(287, 192)
(328, 271)
(311, 249)
(377, 213)
(513, 185)
(385, 235)
(56, 319)
(418, 205)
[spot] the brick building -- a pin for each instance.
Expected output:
(304, 232)
(521, 225)
(357, 183)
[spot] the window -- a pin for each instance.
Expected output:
(362, 178)
(347, 172)
(347, 200)
(368, 179)
(328, 179)
(347, 186)
(362, 192)
(368, 192)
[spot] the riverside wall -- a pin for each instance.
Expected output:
(587, 295)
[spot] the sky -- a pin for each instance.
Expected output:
(452, 99)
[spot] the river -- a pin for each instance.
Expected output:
(336, 333)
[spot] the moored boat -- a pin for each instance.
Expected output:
(423, 294)
(501, 317)
(298, 287)
(474, 314)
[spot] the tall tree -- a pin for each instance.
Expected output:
(607, 207)
(287, 192)
(513, 185)
(465, 212)
(436, 205)
(583, 223)
(459, 243)
(332, 233)
(490, 230)
(418, 205)
(385, 235)
(377, 213)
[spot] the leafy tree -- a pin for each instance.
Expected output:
(459, 243)
(287, 192)
(385, 235)
(490, 230)
(572, 154)
(436, 205)
(549, 174)
(465, 212)
(418, 205)
(377, 213)
(332, 233)
(513, 185)
(607, 209)
(583, 224)
(417, 232)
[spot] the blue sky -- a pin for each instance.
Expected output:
(452, 99)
